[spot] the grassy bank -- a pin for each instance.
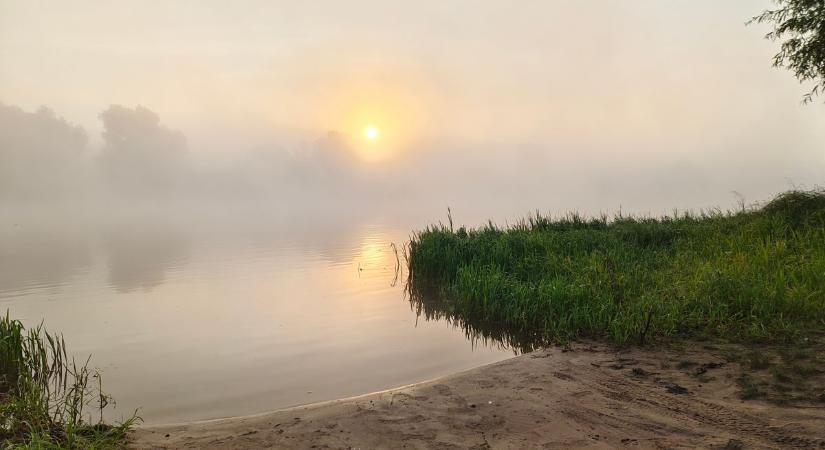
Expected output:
(47, 400)
(753, 275)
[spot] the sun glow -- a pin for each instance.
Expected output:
(380, 119)
(371, 132)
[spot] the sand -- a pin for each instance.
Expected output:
(586, 396)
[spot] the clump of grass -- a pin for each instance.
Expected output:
(757, 360)
(748, 388)
(780, 374)
(686, 364)
(45, 396)
(752, 275)
(804, 370)
(794, 354)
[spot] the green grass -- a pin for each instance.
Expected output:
(781, 372)
(757, 360)
(755, 275)
(46, 398)
(748, 389)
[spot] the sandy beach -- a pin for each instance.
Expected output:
(584, 396)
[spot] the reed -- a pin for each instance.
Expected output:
(756, 274)
(47, 399)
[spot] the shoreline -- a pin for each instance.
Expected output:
(591, 395)
(313, 404)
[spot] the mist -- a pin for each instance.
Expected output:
(206, 109)
(142, 162)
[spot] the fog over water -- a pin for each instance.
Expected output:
(187, 190)
(552, 105)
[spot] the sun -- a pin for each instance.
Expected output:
(371, 132)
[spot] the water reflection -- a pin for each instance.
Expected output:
(33, 257)
(231, 317)
(432, 305)
(139, 256)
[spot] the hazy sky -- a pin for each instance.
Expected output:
(658, 85)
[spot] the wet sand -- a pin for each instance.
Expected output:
(587, 396)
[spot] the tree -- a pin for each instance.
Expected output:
(800, 25)
(41, 155)
(140, 156)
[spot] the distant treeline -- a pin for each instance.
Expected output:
(45, 158)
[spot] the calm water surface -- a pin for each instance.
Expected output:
(196, 321)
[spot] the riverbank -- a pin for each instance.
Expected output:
(751, 275)
(583, 396)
